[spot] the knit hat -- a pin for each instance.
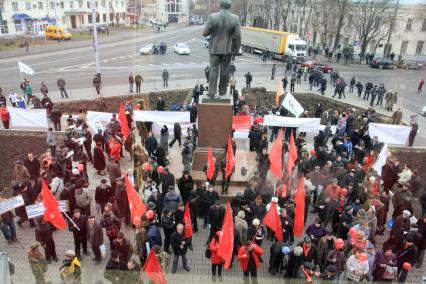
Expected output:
(298, 251)
(241, 214)
(256, 222)
(70, 253)
(35, 245)
(406, 214)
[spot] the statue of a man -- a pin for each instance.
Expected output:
(224, 30)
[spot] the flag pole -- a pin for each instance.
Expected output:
(68, 217)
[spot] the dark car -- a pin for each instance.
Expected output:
(100, 29)
(382, 63)
(313, 64)
(408, 64)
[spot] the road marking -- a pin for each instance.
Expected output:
(113, 59)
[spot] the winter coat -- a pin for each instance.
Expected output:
(172, 199)
(244, 256)
(82, 225)
(353, 264)
(176, 241)
(241, 228)
(214, 247)
(83, 198)
(154, 236)
(57, 186)
(95, 236)
(114, 271)
(51, 139)
(185, 187)
(124, 250)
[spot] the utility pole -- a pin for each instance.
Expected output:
(209, 7)
(95, 39)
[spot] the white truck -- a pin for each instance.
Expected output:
(280, 45)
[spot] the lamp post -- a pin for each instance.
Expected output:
(95, 39)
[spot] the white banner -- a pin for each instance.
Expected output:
(11, 203)
(241, 134)
(162, 116)
(23, 68)
(156, 127)
(292, 105)
(304, 124)
(389, 133)
(37, 209)
(95, 119)
(381, 160)
(28, 118)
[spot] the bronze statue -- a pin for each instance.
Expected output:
(224, 30)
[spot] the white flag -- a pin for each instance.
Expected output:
(292, 105)
(23, 68)
(381, 160)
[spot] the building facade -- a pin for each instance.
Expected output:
(29, 17)
(166, 11)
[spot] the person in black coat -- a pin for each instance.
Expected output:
(310, 253)
(122, 201)
(264, 164)
(161, 104)
(212, 181)
(169, 227)
(167, 180)
(209, 198)
(102, 194)
(43, 235)
(33, 165)
(177, 132)
(276, 257)
(123, 247)
(151, 144)
(216, 215)
(114, 268)
(180, 246)
(185, 185)
(79, 232)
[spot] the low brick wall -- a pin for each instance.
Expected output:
(111, 104)
(414, 156)
(266, 99)
(15, 144)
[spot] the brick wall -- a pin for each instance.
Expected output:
(15, 144)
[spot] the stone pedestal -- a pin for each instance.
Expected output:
(214, 128)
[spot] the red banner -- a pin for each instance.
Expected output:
(241, 122)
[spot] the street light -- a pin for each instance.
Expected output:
(95, 39)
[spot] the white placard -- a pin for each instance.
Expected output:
(95, 118)
(11, 203)
(305, 124)
(389, 133)
(37, 209)
(162, 116)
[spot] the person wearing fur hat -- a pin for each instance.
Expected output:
(295, 260)
(38, 263)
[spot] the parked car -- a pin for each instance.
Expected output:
(313, 64)
(182, 49)
(408, 64)
(309, 63)
(423, 111)
(100, 29)
(382, 63)
(147, 49)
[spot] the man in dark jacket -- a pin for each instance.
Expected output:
(55, 116)
(310, 253)
(180, 246)
(264, 164)
(153, 235)
(123, 247)
(102, 194)
(209, 198)
(151, 144)
(167, 180)
(216, 215)
(95, 237)
(33, 165)
(115, 268)
(185, 185)
(79, 231)
(97, 83)
(61, 85)
(122, 201)
(161, 104)
(43, 235)
(249, 78)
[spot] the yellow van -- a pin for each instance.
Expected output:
(57, 32)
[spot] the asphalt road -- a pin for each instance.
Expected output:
(119, 59)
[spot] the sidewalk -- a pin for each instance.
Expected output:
(153, 85)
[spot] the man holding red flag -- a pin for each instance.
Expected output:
(299, 199)
(52, 214)
(153, 269)
(276, 156)
(292, 155)
(272, 220)
(122, 118)
(227, 166)
(187, 222)
(136, 205)
(211, 168)
(226, 239)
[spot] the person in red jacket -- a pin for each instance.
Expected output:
(248, 255)
(217, 261)
(5, 116)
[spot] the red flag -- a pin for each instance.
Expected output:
(153, 269)
(276, 156)
(137, 207)
(241, 122)
(211, 167)
(292, 155)
(52, 214)
(299, 200)
(272, 220)
(230, 159)
(187, 222)
(123, 121)
(226, 240)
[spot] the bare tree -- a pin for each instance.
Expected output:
(370, 19)
(324, 21)
(265, 9)
(285, 8)
(341, 4)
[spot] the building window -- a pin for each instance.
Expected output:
(71, 4)
(15, 6)
(104, 18)
(52, 5)
(40, 5)
(88, 5)
(80, 4)
(3, 28)
(103, 3)
(18, 25)
(409, 24)
(1, 7)
(62, 5)
(419, 47)
(404, 45)
(424, 26)
(28, 5)
(90, 19)
(96, 4)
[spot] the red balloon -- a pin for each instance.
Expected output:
(137, 220)
(146, 166)
(344, 192)
(352, 233)
(149, 214)
(339, 243)
(161, 169)
(406, 265)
